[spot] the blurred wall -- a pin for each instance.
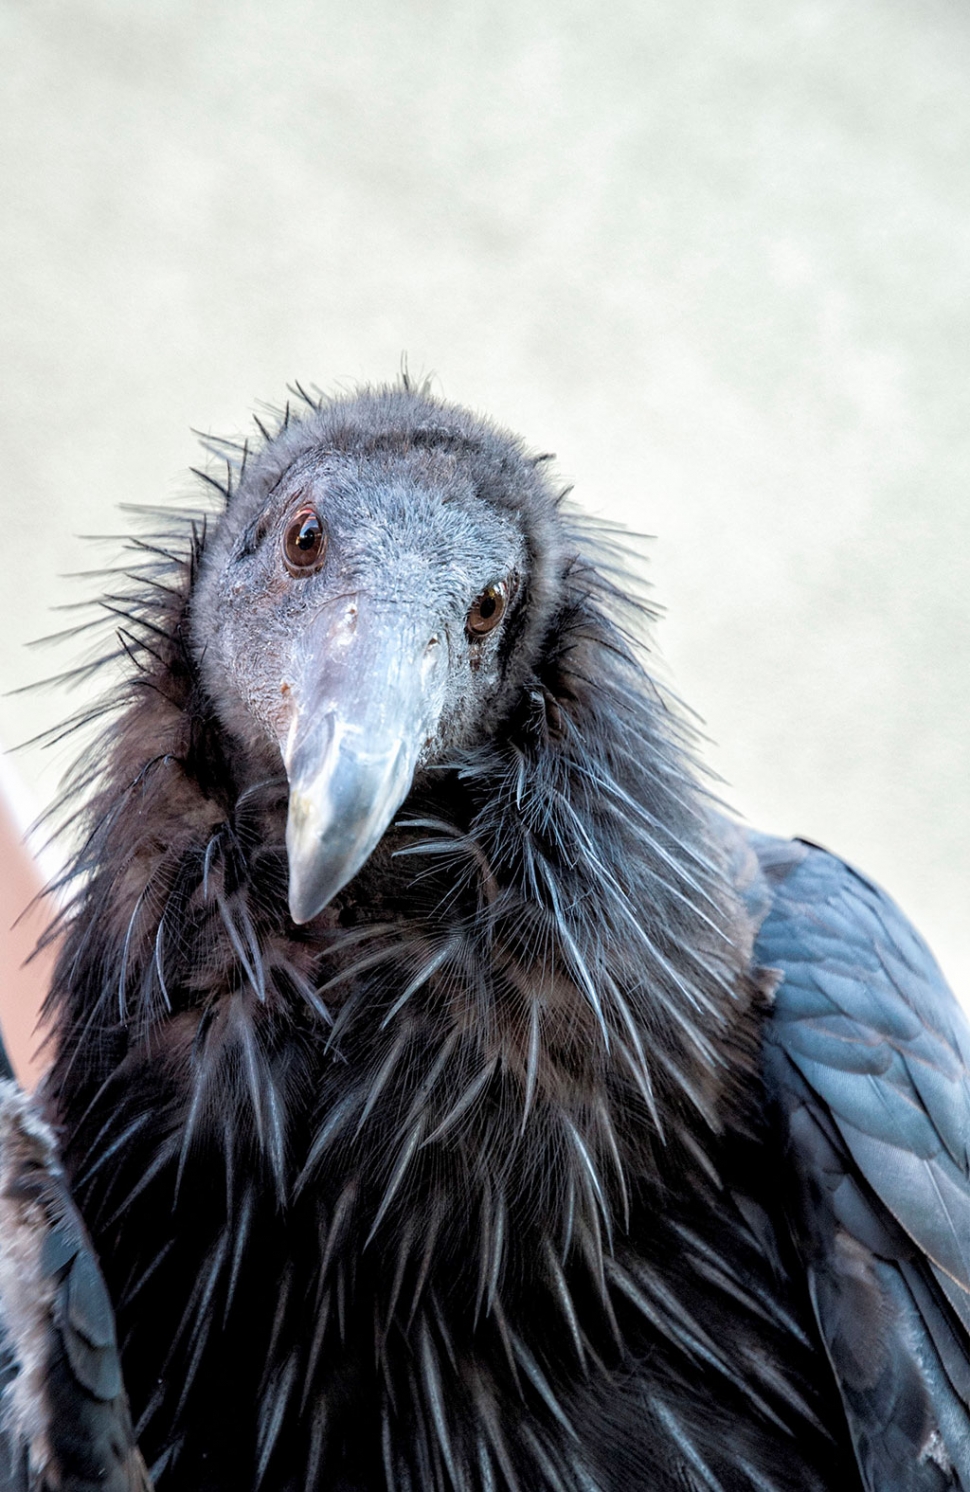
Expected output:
(715, 256)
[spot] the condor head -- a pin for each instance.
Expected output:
(372, 601)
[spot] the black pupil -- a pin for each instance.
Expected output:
(487, 606)
(309, 535)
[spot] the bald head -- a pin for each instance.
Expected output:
(374, 598)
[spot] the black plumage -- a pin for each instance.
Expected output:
(535, 1128)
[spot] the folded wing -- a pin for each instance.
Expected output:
(868, 1066)
(64, 1419)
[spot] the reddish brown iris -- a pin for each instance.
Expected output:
(488, 609)
(304, 543)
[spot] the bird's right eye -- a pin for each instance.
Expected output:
(304, 543)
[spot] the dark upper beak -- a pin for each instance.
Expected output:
(367, 695)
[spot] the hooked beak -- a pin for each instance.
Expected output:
(367, 697)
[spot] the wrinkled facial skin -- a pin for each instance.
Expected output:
(361, 667)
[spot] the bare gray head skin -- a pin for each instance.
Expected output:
(372, 601)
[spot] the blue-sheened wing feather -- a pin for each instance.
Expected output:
(867, 1063)
(64, 1417)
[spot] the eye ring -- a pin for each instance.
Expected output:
(488, 609)
(304, 542)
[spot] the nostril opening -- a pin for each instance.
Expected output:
(433, 643)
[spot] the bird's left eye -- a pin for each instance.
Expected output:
(487, 610)
(304, 543)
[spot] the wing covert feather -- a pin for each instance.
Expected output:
(65, 1421)
(867, 1060)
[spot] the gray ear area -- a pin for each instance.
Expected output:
(64, 1418)
(867, 1063)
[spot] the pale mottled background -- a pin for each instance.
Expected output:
(717, 256)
